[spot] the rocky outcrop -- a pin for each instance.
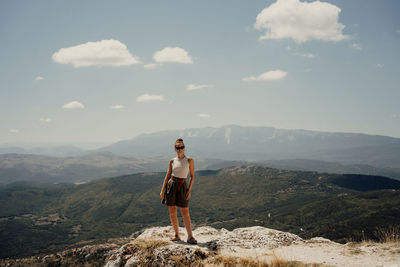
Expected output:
(211, 242)
(249, 246)
(89, 255)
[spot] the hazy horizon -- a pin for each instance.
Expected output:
(95, 145)
(100, 71)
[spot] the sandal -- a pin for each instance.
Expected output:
(176, 238)
(192, 240)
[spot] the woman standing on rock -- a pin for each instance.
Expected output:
(175, 191)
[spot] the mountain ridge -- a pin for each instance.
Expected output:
(234, 142)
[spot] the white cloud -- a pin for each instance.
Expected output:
(151, 66)
(288, 48)
(73, 105)
(356, 46)
(192, 87)
(202, 115)
(101, 53)
(306, 55)
(39, 78)
(172, 54)
(272, 75)
(13, 131)
(117, 106)
(380, 65)
(301, 21)
(398, 31)
(308, 70)
(45, 120)
(147, 97)
(396, 116)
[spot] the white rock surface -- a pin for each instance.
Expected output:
(261, 244)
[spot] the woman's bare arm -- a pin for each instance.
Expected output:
(191, 167)
(167, 177)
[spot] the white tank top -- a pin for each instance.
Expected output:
(180, 167)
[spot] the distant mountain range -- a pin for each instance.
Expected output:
(212, 148)
(56, 151)
(233, 142)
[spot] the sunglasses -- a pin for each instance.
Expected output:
(179, 147)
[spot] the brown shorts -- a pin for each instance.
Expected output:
(176, 193)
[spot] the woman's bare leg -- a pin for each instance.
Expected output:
(186, 221)
(174, 219)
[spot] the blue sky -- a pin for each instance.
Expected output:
(103, 71)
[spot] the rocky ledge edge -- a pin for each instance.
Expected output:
(248, 246)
